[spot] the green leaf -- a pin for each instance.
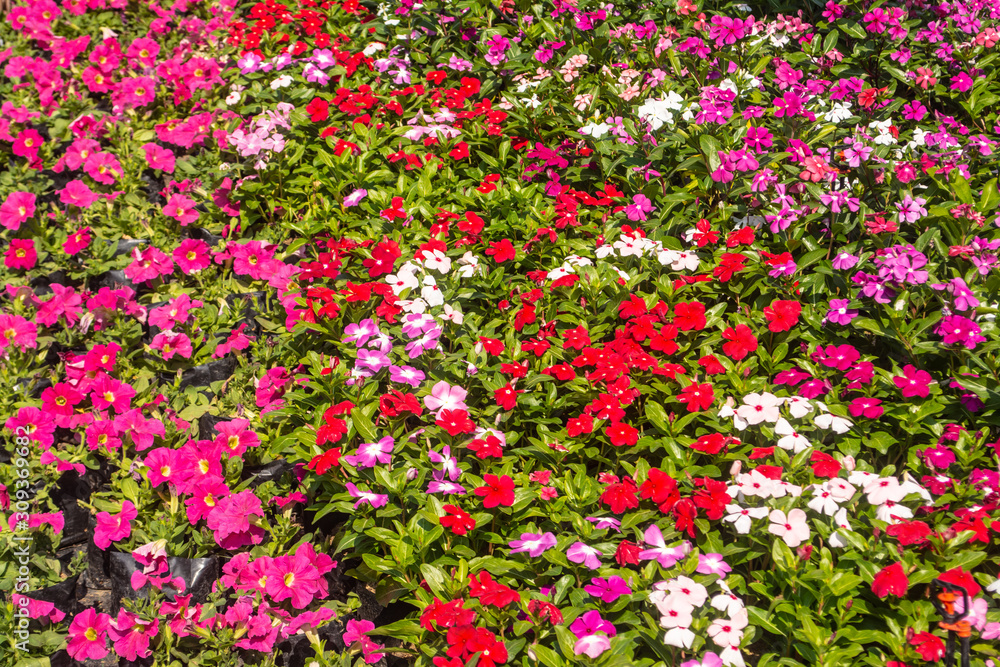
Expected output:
(435, 578)
(363, 425)
(710, 148)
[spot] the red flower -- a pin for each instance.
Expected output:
(545, 611)
(325, 461)
(622, 435)
(689, 316)
(576, 339)
(492, 345)
(711, 443)
(484, 449)
(741, 342)
(490, 592)
(824, 465)
(501, 251)
(446, 615)
(909, 532)
(578, 425)
(959, 577)
(634, 307)
(506, 396)
(458, 520)
(782, 315)
(698, 397)
(460, 152)
(455, 422)
(627, 553)
(319, 110)
(497, 491)
(891, 580)
(396, 403)
(384, 256)
(930, 647)
(685, 513)
(661, 488)
(620, 496)
(711, 365)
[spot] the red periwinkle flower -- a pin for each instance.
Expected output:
(627, 553)
(496, 491)
(458, 520)
(741, 342)
(930, 647)
(891, 580)
(782, 315)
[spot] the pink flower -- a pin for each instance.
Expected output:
(294, 577)
(793, 527)
(866, 407)
(356, 632)
(21, 254)
(111, 393)
(131, 635)
(913, 382)
(137, 91)
(87, 635)
(726, 632)
(170, 344)
(76, 193)
(192, 256)
(17, 332)
(114, 528)
(77, 241)
(103, 168)
(181, 209)
(235, 437)
(230, 520)
(446, 397)
(16, 209)
(608, 590)
(159, 157)
(148, 264)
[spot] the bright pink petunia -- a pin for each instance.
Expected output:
(17, 332)
(131, 635)
(21, 254)
(87, 635)
(114, 528)
(181, 209)
(230, 521)
(16, 209)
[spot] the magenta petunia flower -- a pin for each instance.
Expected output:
(181, 209)
(230, 520)
(16, 209)
(114, 528)
(192, 256)
(235, 437)
(88, 635)
(76, 193)
(356, 632)
(21, 254)
(131, 635)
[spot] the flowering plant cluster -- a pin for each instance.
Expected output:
(495, 333)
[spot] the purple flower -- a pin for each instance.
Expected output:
(639, 207)
(839, 312)
(666, 556)
(609, 589)
(602, 522)
(588, 556)
(372, 359)
(450, 464)
(370, 453)
(713, 564)
(590, 623)
(958, 329)
(447, 488)
(965, 298)
(426, 342)
(844, 261)
(910, 209)
(355, 197)
(376, 500)
(407, 375)
(360, 332)
(534, 544)
(591, 645)
(415, 324)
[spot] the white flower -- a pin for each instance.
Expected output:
(431, 292)
(402, 281)
(726, 632)
(883, 489)
(791, 440)
(282, 81)
(727, 603)
(412, 305)
(686, 261)
(453, 315)
(823, 500)
(833, 422)
(605, 250)
(892, 512)
(437, 260)
(792, 527)
(841, 490)
(595, 130)
(741, 517)
(731, 657)
(688, 590)
(840, 518)
(233, 98)
(468, 265)
(679, 637)
(759, 408)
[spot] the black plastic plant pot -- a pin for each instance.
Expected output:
(269, 472)
(115, 279)
(204, 235)
(68, 490)
(40, 284)
(206, 374)
(198, 574)
(65, 595)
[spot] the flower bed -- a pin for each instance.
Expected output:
(487, 333)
